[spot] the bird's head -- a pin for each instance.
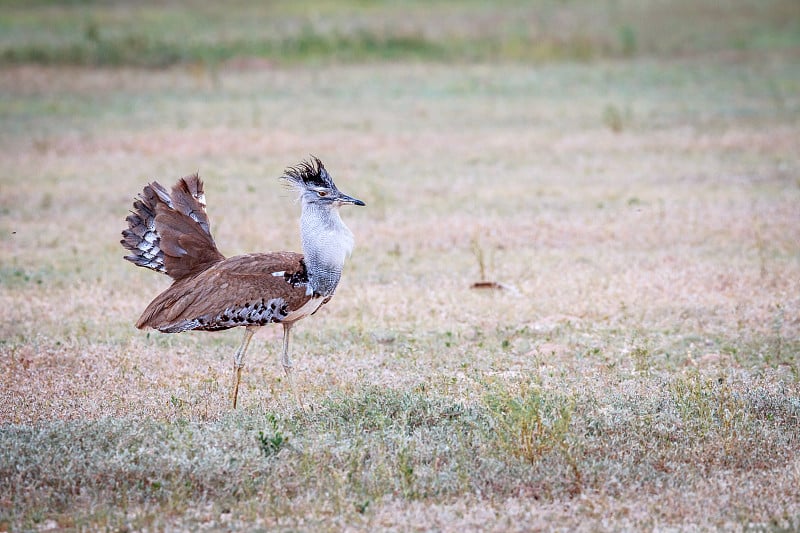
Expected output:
(315, 185)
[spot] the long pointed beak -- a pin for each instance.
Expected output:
(344, 199)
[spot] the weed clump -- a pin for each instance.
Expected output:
(528, 421)
(273, 440)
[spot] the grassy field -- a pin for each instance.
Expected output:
(630, 170)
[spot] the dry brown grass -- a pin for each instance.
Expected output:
(656, 257)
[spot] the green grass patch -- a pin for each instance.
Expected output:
(355, 449)
(530, 422)
(100, 34)
(358, 448)
(144, 50)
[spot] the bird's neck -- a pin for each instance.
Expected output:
(326, 244)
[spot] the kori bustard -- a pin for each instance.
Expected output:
(169, 232)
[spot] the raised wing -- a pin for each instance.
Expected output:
(169, 232)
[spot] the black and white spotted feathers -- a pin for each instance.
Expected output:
(169, 232)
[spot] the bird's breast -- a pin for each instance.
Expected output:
(308, 308)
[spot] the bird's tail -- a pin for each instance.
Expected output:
(169, 232)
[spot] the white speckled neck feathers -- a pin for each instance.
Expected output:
(327, 242)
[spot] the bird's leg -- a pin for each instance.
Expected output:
(238, 361)
(287, 363)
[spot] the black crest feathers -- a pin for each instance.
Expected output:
(310, 173)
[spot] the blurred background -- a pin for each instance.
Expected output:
(622, 175)
(160, 34)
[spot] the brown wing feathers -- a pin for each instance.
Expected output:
(170, 233)
(183, 226)
(239, 291)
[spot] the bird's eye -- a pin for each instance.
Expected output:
(322, 194)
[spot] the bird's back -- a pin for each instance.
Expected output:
(252, 289)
